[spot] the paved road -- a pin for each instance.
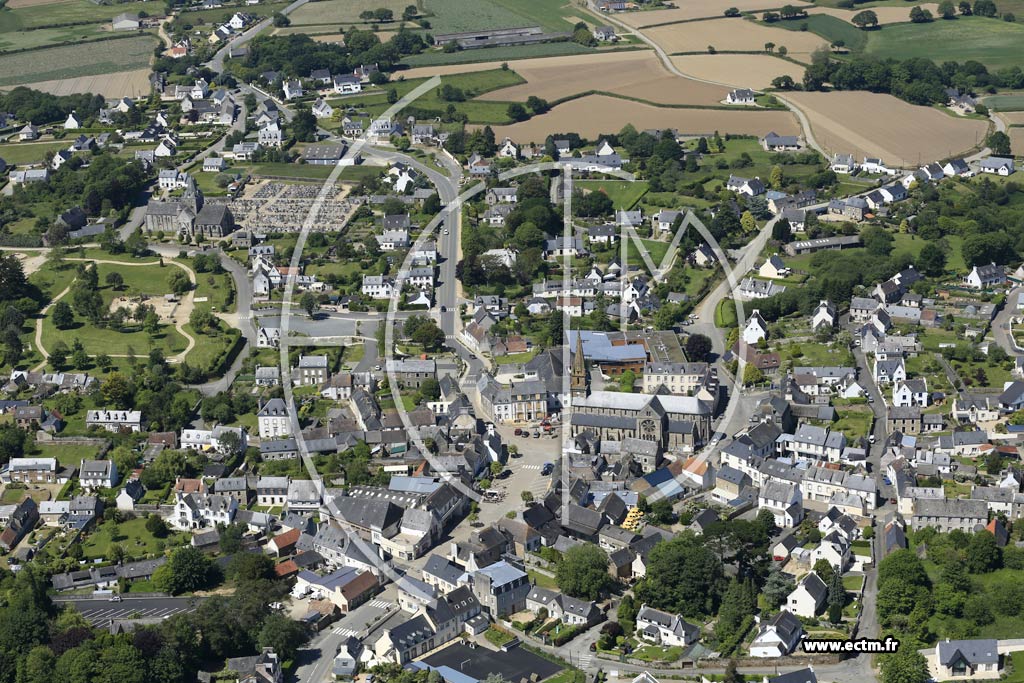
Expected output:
(1001, 323)
(101, 612)
(316, 659)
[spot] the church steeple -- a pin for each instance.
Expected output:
(578, 384)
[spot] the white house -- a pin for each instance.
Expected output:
(115, 420)
(508, 149)
(910, 392)
(274, 419)
(998, 165)
(774, 268)
(985, 277)
(824, 316)
(664, 628)
(808, 598)
(97, 474)
(741, 96)
(844, 163)
(751, 187)
(292, 90)
(778, 637)
(756, 328)
(783, 500)
(378, 286)
(72, 122)
(347, 85)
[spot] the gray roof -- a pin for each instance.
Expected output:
(973, 651)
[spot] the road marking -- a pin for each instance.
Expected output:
(530, 467)
(344, 632)
(585, 660)
(380, 604)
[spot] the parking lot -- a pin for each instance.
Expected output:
(102, 612)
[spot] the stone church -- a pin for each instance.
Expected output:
(189, 215)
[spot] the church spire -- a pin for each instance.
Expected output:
(578, 382)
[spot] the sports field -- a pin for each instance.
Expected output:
(596, 114)
(996, 44)
(876, 125)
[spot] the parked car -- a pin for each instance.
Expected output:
(547, 469)
(114, 598)
(518, 432)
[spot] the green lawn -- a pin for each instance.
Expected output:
(542, 580)
(430, 103)
(22, 40)
(725, 313)
(853, 422)
(512, 358)
(29, 152)
(994, 43)
(853, 583)
(1017, 675)
(17, 495)
(67, 455)
(830, 28)
(624, 194)
(72, 61)
(70, 12)
(912, 244)
(131, 534)
(655, 248)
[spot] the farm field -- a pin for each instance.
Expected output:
(994, 43)
(872, 124)
(886, 14)
(22, 40)
(732, 35)
(696, 10)
(1013, 118)
(25, 15)
(499, 54)
(633, 74)
(342, 11)
(830, 27)
(1008, 102)
(596, 114)
(452, 16)
(1016, 139)
(112, 85)
(738, 71)
(74, 61)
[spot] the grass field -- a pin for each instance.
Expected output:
(830, 28)
(210, 16)
(725, 313)
(1013, 102)
(20, 40)
(497, 54)
(131, 534)
(472, 85)
(655, 249)
(624, 194)
(70, 12)
(29, 152)
(343, 11)
(994, 43)
(73, 61)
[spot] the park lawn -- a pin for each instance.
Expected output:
(112, 342)
(208, 348)
(132, 534)
(828, 27)
(52, 279)
(21, 153)
(994, 43)
(624, 194)
(216, 288)
(145, 280)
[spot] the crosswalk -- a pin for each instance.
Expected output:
(343, 632)
(380, 604)
(585, 659)
(529, 467)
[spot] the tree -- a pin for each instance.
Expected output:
(583, 572)
(698, 346)
(775, 177)
(836, 592)
(919, 15)
(865, 19)
(906, 665)
(249, 567)
(998, 142)
(280, 20)
(282, 634)
(965, 8)
(303, 126)
(178, 282)
(731, 674)
(63, 317)
(410, 12)
(784, 82)
(187, 570)
(683, 575)
(156, 525)
(115, 279)
(309, 303)
(985, 8)
(932, 260)
(59, 355)
(739, 600)
(947, 10)
(626, 381)
(748, 222)
(517, 112)
(752, 375)
(982, 553)
(777, 587)
(537, 105)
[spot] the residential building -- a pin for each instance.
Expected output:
(663, 628)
